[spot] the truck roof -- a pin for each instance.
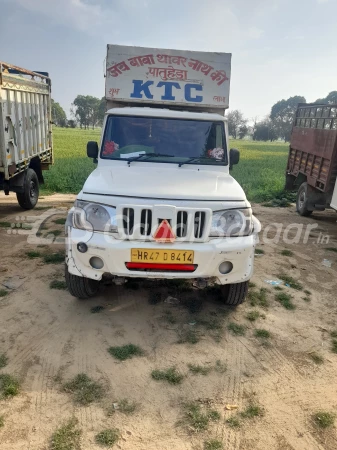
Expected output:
(163, 112)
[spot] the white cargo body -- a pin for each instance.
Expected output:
(161, 202)
(198, 80)
(25, 131)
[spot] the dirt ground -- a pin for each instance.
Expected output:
(49, 337)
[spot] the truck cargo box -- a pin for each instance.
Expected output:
(313, 146)
(160, 77)
(25, 120)
(25, 132)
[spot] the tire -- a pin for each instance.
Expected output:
(81, 287)
(30, 195)
(302, 200)
(235, 294)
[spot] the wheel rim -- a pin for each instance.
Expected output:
(32, 190)
(301, 199)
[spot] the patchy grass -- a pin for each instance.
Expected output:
(197, 369)
(290, 281)
(252, 315)
(212, 322)
(67, 437)
(171, 375)
(2, 421)
(58, 284)
(324, 419)
(84, 389)
(317, 359)
(306, 299)
(60, 221)
(252, 285)
(258, 298)
(127, 407)
(3, 361)
(261, 333)
(235, 328)
(196, 418)
(259, 251)
(233, 422)
(213, 444)
(3, 292)
(5, 224)
(126, 351)
(252, 411)
(108, 438)
(331, 249)
(96, 309)
(334, 346)
(54, 258)
(9, 386)
(33, 254)
(189, 337)
(307, 292)
(278, 288)
(333, 333)
(287, 252)
(220, 366)
(285, 300)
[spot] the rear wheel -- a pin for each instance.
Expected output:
(302, 200)
(81, 287)
(30, 195)
(235, 294)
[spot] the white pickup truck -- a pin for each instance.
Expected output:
(25, 132)
(161, 202)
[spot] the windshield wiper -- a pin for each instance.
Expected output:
(197, 158)
(191, 159)
(147, 156)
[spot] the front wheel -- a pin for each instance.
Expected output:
(235, 294)
(81, 287)
(302, 200)
(30, 195)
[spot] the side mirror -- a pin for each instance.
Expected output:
(234, 157)
(92, 150)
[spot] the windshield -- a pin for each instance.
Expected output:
(179, 141)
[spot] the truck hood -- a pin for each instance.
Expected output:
(175, 183)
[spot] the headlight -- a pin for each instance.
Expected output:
(231, 222)
(94, 217)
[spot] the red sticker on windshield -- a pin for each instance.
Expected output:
(110, 147)
(216, 153)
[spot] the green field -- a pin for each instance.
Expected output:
(260, 171)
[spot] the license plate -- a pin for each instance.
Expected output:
(147, 255)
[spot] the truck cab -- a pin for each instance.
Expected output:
(161, 204)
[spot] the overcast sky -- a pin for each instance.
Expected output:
(280, 48)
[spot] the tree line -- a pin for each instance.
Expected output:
(88, 111)
(277, 125)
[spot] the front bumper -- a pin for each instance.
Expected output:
(116, 253)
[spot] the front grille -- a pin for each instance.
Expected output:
(128, 220)
(145, 222)
(181, 224)
(199, 224)
(142, 221)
